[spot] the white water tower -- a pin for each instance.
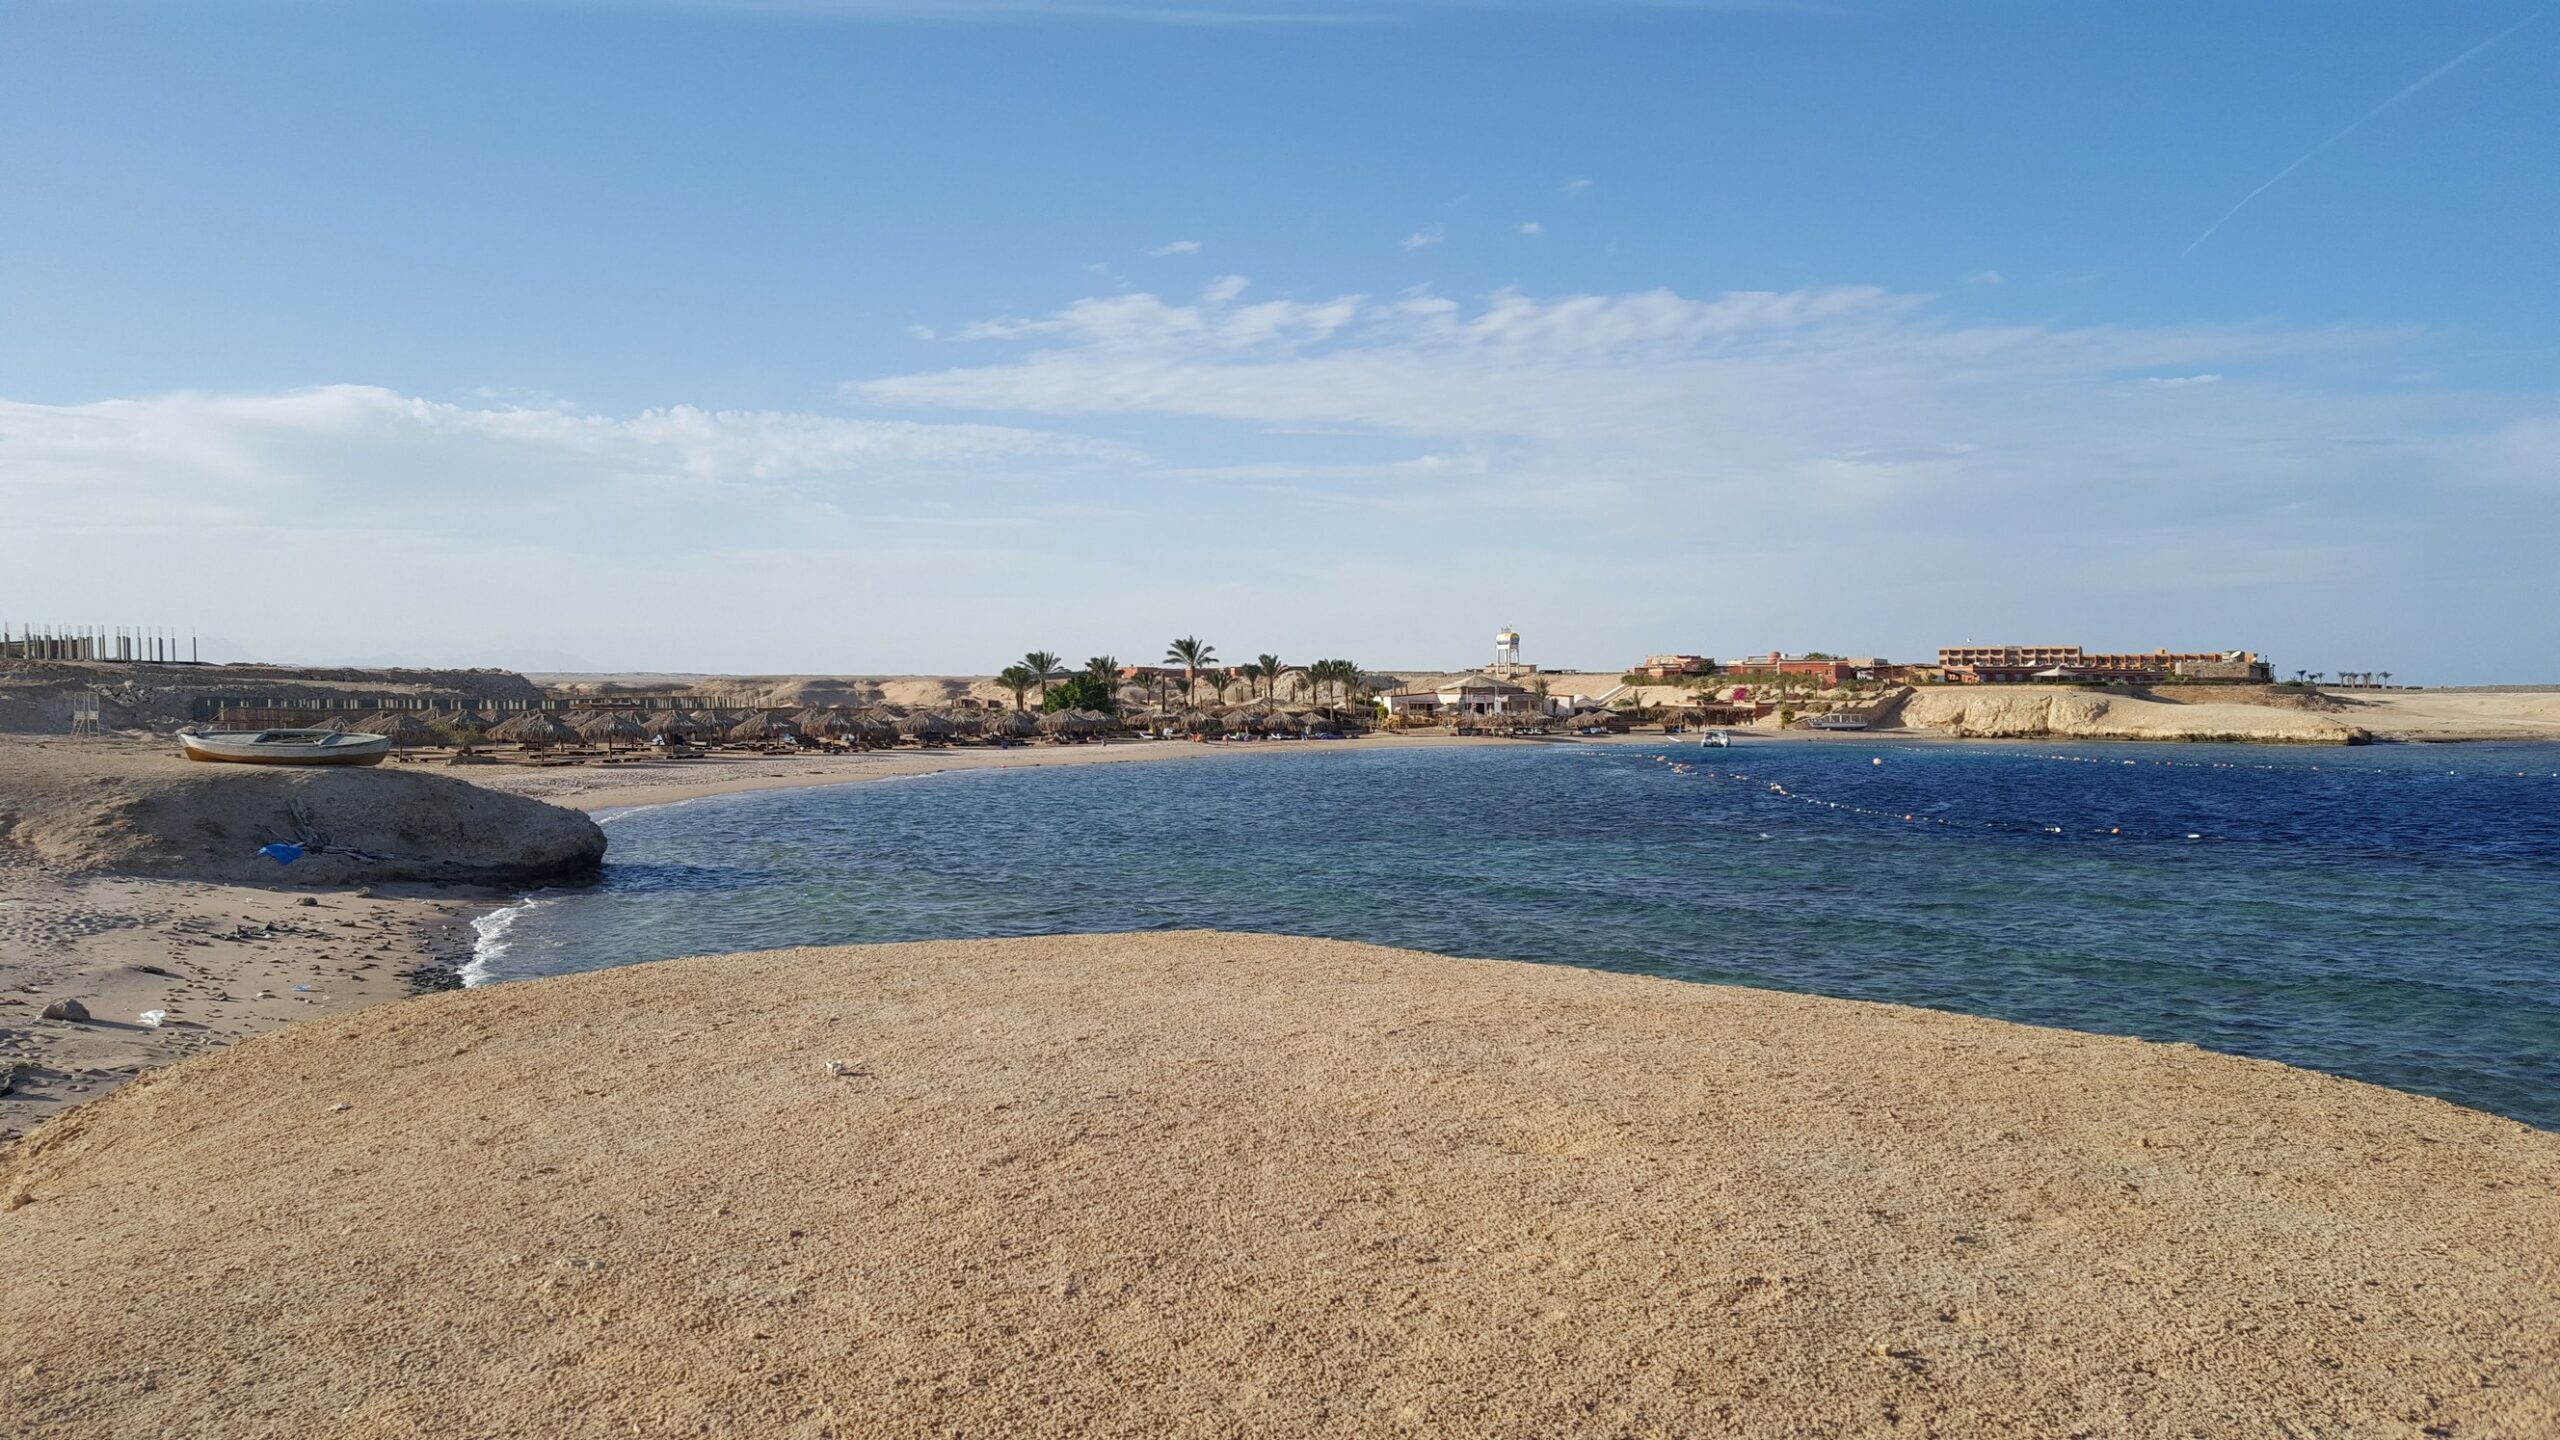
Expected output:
(1506, 650)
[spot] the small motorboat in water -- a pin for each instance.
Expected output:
(1715, 740)
(285, 747)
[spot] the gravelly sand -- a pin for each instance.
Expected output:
(1213, 1184)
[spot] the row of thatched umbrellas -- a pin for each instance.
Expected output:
(878, 725)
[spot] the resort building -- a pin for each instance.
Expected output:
(2019, 664)
(1472, 695)
(1664, 667)
(1830, 671)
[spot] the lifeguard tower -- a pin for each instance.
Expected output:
(1506, 651)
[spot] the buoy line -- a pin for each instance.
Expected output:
(1776, 790)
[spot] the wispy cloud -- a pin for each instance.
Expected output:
(2307, 156)
(151, 505)
(1425, 238)
(1854, 414)
(1532, 229)
(1175, 247)
(1981, 279)
(1576, 185)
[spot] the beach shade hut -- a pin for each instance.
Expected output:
(460, 728)
(1013, 725)
(1058, 724)
(535, 730)
(1201, 723)
(612, 728)
(1609, 720)
(405, 727)
(965, 724)
(925, 728)
(760, 727)
(818, 720)
(673, 726)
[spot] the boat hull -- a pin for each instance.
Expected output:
(246, 749)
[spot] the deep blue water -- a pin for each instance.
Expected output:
(2387, 913)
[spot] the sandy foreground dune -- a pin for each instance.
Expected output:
(1216, 1184)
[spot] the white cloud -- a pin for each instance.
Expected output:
(1575, 186)
(1982, 278)
(1862, 468)
(1175, 247)
(418, 519)
(1721, 430)
(1425, 238)
(1532, 229)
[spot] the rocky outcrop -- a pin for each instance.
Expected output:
(122, 808)
(2018, 712)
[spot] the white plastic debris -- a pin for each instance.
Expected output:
(153, 1018)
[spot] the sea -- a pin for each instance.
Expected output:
(2389, 913)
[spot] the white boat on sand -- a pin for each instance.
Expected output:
(286, 747)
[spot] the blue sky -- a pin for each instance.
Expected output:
(879, 337)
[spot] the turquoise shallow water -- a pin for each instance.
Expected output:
(2387, 913)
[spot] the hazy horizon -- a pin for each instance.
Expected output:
(852, 337)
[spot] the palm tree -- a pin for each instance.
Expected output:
(1272, 670)
(1343, 675)
(1105, 668)
(1045, 666)
(1019, 680)
(2386, 679)
(1193, 657)
(1251, 673)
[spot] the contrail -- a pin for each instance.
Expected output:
(2423, 81)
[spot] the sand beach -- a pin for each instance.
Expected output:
(1187, 1183)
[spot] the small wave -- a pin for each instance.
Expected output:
(491, 944)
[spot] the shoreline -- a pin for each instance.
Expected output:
(205, 951)
(675, 781)
(225, 962)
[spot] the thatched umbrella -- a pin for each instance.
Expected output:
(818, 721)
(1201, 722)
(670, 725)
(1014, 725)
(535, 729)
(964, 722)
(1058, 722)
(925, 727)
(1606, 719)
(761, 726)
(405, 727)
(612, 728)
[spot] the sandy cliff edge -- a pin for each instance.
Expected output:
(1175, 1183)
(2031, 711)
(74, 807)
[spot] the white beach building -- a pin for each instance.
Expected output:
(1473, 695)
